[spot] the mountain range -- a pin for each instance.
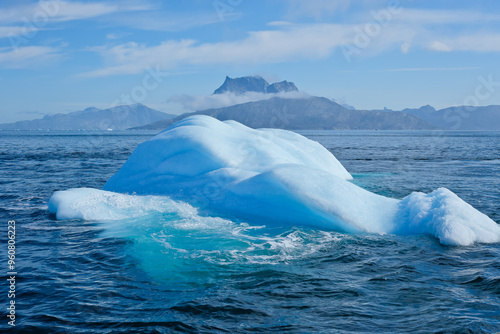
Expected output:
(316, 113)
(460, 118)
(116, 118)
(281, 107)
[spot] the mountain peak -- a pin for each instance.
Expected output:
(90, 109)
(283, 86)
(427, 108)
(243, 85)
(253, 84)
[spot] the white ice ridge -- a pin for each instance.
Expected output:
(273, 176)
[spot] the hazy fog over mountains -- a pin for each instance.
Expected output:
(279, 105)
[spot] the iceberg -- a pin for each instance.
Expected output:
(271, 176)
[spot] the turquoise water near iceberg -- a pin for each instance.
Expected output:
(180, 271)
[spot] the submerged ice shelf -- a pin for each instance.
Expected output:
(265, 175)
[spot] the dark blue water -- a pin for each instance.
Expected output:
(165, 273)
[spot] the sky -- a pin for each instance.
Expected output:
(58, 56)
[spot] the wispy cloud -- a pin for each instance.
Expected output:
(11, 31)
(442, 17)
(21, 22)
(319, 9)
(480, 42)
(36, 113)
(134, 14)
(61, 11)
(163, 21)
(438, 46)
(315, 8)
(420, 69)
(26, 56)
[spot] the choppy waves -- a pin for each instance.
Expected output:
(158, 273)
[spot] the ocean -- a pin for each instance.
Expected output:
(181, 272)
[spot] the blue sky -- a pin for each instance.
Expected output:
(59, 56)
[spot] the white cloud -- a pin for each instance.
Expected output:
(319, 9)
(112, 36)
(421, 69)
(279, 23)
(195, 103)
(315, 8)
(417, 28)
(405, 47)
(420, 28)
(439, 46)
(27, 112)
(480, 42)
(135, 14)
(432, 69)
(294, 42)
(298, 42)
(164, 21)
(487, 42)
(26, 56)
(442, 17)
(59, 11)
(11, 31)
